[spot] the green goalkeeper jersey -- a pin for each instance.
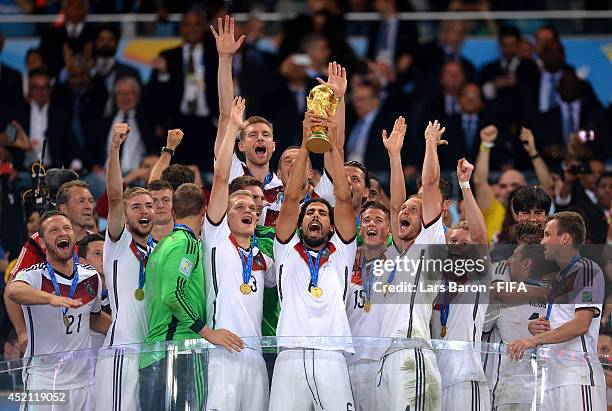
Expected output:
(175, 290)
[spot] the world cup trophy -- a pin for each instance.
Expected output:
(323, 102)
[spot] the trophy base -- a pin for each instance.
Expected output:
(318, 142)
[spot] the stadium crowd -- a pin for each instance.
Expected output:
(188, 206)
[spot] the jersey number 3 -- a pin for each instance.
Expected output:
(69, 327)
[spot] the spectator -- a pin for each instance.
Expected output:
(369, 121)
(106, 67)
(544, 35)
(34, 60)
(577, 109)
(316, 46)
(447, 47)
(553, 67)
(184, 85)
(78, 96)
(392, 42)
(596, 213)
(506, 81)
(130, 110)
(604, 352)
(45, 119)
(75, 36)
(10, 90)
(462, 128)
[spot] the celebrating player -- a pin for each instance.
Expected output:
(237, 271)
(313, 269)
(176, 310)
(462, 314)
(126, 248)
(571, 322)
(60, 299)
(415, 223)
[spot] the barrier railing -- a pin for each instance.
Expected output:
(189, 374)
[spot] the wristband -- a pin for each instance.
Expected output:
(487, 145)
(536, 155)
(167, 150)
(465, 185)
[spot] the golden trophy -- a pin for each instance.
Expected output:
(323, 102)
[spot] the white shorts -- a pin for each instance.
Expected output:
(117, 380)
(305, 378)
(237, 381)
(513, 407)
(78, 399)
(364, 377)
(467, 395)
(574, 397)
(409, 379)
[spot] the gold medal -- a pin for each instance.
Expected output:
(367, 306)
(245, 289)
(66, 320)
(139, 294)
(316, 292)
(443, 332)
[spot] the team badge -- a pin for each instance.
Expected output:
(587, 297)
(185, 267)
(90, 290)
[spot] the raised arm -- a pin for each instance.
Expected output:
(484, 193)
(475, 219)
(539, 165)
(173, 140)
(217, 205)
(290, 209)
(430, 177)
(393, 143)
(344, 216)
(114, 183)
(226, 47)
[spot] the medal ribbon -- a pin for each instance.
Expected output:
(366, 280)
(73, 286)
(560, 277)
(314, 266)
(142, 260)
(444, 308)
(246, 259)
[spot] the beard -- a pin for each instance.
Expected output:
(139, 231)
(314, 242)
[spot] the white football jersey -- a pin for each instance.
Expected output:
(363, 323)
(301, 313)
(407, 315)
(122, 267)
(48, 334)
(271, 188)
(226, 306)
(582, 288)
(464, 323)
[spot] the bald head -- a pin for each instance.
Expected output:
(509, 181)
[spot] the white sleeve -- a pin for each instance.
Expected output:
(433, 233)
(213, 234)
(283, 251)
(270, 274)
(347, 251)
(500, 272)
(237, 168)
(325, 189)
(31, 276)
(112, 249)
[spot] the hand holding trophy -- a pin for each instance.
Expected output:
(323, 101)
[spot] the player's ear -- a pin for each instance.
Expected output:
(241, 144)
